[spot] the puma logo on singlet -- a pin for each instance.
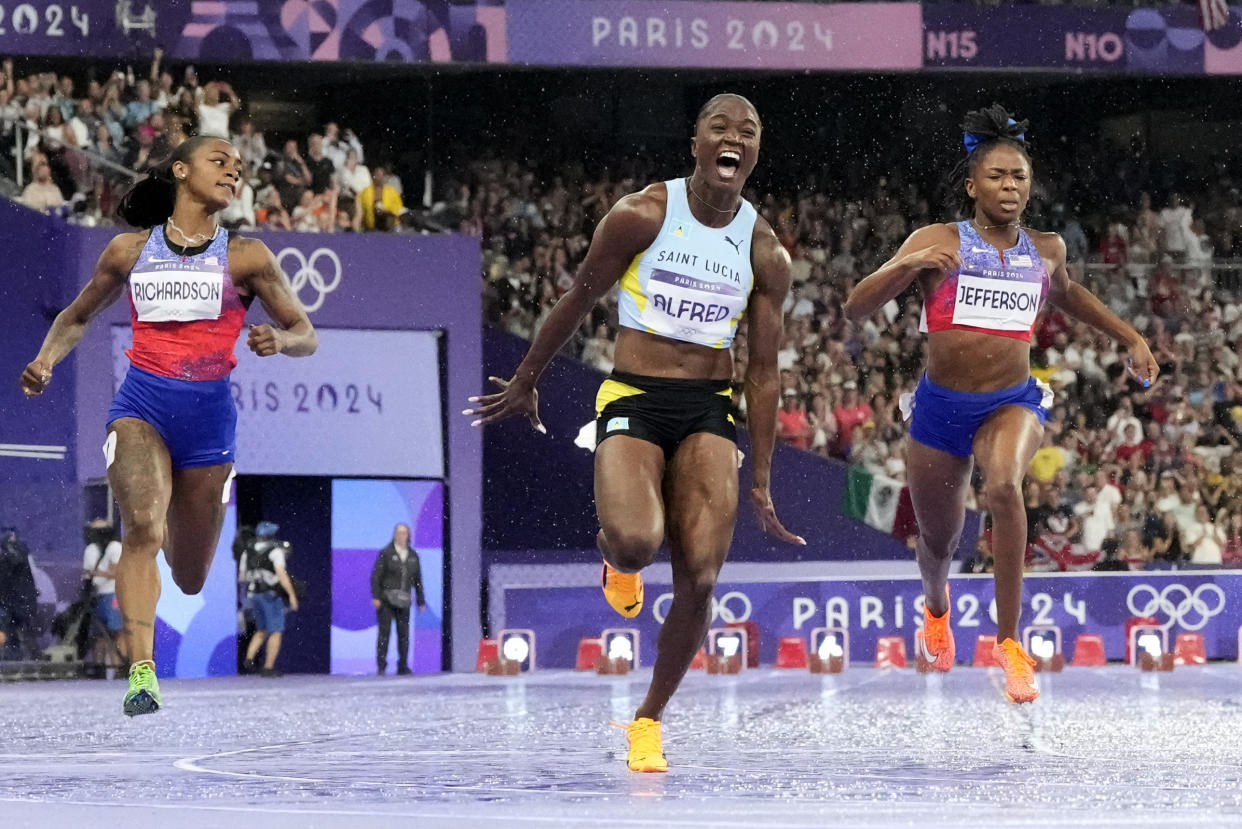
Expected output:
(737, 246)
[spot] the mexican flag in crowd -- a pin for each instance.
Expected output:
(880, 501)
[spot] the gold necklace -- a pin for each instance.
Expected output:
(191, 240)
(992, 227)
(704, 202)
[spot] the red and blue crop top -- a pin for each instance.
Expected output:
(994, 291)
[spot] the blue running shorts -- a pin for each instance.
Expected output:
(948, 420)
(196, 418)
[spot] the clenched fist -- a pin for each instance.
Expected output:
(36, 378)
(265, 340)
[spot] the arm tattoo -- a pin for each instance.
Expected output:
(130, 620)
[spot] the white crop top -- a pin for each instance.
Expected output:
(692, 284)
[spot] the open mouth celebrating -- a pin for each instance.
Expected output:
(728, 163)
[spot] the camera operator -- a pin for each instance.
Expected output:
(18, 596)
(99, 560)
(262, 568)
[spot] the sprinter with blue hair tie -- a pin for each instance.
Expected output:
(984, 281)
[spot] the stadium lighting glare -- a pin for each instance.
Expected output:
(516, 649)
(620, 647)
(830, 647)
(729, 645)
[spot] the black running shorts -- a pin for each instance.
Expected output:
(661, 410)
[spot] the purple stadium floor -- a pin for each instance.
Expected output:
(869, 748)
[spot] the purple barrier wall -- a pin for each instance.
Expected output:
(38, 485)
(386, 282)
(537, 494)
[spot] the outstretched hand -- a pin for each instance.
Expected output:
(515, 397)
(1142, 364)
(762, 499)
(36, 378)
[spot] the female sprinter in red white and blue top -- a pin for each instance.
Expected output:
(983, 282)
(170, 430)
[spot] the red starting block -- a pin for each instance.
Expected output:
(489, 651)
(752, 641)
(791, 652)
(1189, 649)
(1149, 648)
(983, 652)
(830, 651)
(1088, 651)
(1131, 623)
(589, 653)
(890, 652)
(700, 660)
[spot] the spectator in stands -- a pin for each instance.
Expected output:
(1133, 552)
(250, 143)
(292, 175)
(142, 106)
(322, 170)
(1166, 540)
(598, 351)
(1048, 460)
(142, 155)
(218, 104)
(1175, 230)
(305, 216)
(792, 426)
(336, 146)
(824, 435)
(1096, 518)
(1203, 539)
(1231, 554)
(868, 450)
(42, 193)
(353, 177)
(240, 214)
(102, 146)
(850, 413)
(272, 213)
(378, 205)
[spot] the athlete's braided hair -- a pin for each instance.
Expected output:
(150, 201)
(983, 131)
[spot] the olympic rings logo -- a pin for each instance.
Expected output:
(732, 607)
(1190, 610)
(308, 273)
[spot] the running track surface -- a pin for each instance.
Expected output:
(869, 748)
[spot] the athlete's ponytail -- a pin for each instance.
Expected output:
(982, 131)
(150, 201)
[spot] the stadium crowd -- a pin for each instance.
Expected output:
(1127, 477)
